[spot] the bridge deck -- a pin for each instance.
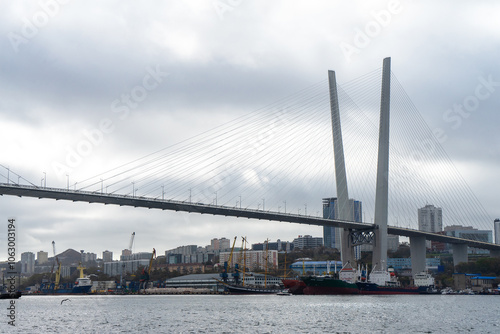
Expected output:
(153, 203)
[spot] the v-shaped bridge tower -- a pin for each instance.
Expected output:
(350, 238)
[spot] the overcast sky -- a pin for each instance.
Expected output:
(190, 66)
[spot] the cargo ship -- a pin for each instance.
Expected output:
(341, 283)
(328, 285)
(385, 282)
(83, 284)
(379, 282)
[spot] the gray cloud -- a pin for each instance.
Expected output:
(63, 80)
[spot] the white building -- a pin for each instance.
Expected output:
(430, 219)
(107, 256)
(42, 257)
(27, 263)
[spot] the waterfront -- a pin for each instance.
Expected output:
(255, 314)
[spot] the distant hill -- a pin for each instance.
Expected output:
(68, 257)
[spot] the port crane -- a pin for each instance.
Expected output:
(123, 265)
(131, 242)
(227, 263)
(58, 271)
(146, 271)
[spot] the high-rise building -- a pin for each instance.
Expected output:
(27, 263)
(220, 244)
(278, 245)
(430, 219)
(42, 257)
(107, 256)
(87, 257)
(307, 241)
(497, 231)
(331, 235)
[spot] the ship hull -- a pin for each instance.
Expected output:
(77, 290)
(328, 286)
(10, 295)
(374, 289)
(295, 286)
(244, 290)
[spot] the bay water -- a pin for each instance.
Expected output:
(253, 314)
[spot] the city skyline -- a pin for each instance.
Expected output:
(199, 68)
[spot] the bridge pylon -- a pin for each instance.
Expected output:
(382, 191)
(343, 211)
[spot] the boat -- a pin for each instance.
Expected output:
(284, 292)
(82, 285)
(427, 282)
(341, 283)
(385, 282)
(250, 290)
(328, 285)
(6, 294)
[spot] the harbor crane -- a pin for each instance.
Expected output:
(227, 263)
(131, 242)
(123, 265)
(146, 271)
(58, 271)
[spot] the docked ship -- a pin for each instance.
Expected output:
(6, 294)
(250, 290)
(82, 285)
(328, 285)
(342, 283)
(385, 282)
(427, 282)
(378, 282)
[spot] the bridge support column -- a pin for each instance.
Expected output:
(382, 191)
(417, 251)
(495, 253)
(459, 253)
(342, 211)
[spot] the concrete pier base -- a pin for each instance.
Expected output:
(417, 251)
(459, 253)
(495, 253)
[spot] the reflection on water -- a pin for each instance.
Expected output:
(255, 314)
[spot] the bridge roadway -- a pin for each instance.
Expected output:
(153, 203)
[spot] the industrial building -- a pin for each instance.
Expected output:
(127, 264)
(254, 260)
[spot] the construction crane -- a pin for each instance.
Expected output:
(123, 265)
(146, 271)
(131, 242)
(58, 271)
(227, 263)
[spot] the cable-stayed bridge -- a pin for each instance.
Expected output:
(165, 204)
(279, 160)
